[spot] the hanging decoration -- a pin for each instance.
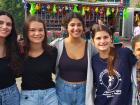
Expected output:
(137, 18)
(75, 8)
(54, 9)
(121, 12)
(43, 9)
(125, 13)
(108, 12)
(37, 7)
(32, 9)
(96, 9)
(83, 10)
(117, 10)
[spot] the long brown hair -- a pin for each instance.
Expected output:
(112, 54)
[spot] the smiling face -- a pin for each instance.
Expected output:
(5, 26)
(36, 32)
(137, 50)
(102, 41)
(75, 28)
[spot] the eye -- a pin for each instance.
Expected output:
(79, 24)
(31, 30)
(98, 38)
(1, 22)
(106, 37)
(9, 24)
(40, 30)
(138, 49)
(72, 25)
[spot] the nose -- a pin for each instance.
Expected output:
(37, 32)
(102, 40)
(76, 27)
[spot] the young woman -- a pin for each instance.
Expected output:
(112, 70)
(39, 61)
(136, 71)
(9, 94)
(74, 73)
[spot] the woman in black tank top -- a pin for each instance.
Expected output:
(71, 84)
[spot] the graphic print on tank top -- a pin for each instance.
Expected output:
(111, 83)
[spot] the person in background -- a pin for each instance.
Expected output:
(137, 29)
(100, 21)
(63, 31)
(112, 68)
(87, 33)
(38, 65)
(74, 73)
(136, 71)
(9, 94)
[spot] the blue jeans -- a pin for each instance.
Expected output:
(10, 96)
(70, 94)
(39, 97)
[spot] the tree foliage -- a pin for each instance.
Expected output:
(16, 8)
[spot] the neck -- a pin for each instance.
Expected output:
(35, 49)
(104, 54)
(74, 40)
(2, 48)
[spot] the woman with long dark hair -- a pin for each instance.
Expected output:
(9, 94)
(74, 73)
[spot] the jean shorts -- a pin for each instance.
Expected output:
(10, 96)
(39, 97)
(69, 93)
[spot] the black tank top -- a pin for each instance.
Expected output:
(73, 70)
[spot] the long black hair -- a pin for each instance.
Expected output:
(11, 43)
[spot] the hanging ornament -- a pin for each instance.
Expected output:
(101, 12)
(48, 6)
(32, 9)
(66, 8)
(43, 8)
(37, 7)
(96, 9)
(113, 10)
(87, 8)
(60, 9)
(121, 12)
(108, 12)
(117, 10)
(54, 9)
(75, 8)
(83, 11)
(125, 13)
(137, 18)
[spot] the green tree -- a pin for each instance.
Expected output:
(16, 8)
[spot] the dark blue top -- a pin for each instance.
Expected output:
(116, 89)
